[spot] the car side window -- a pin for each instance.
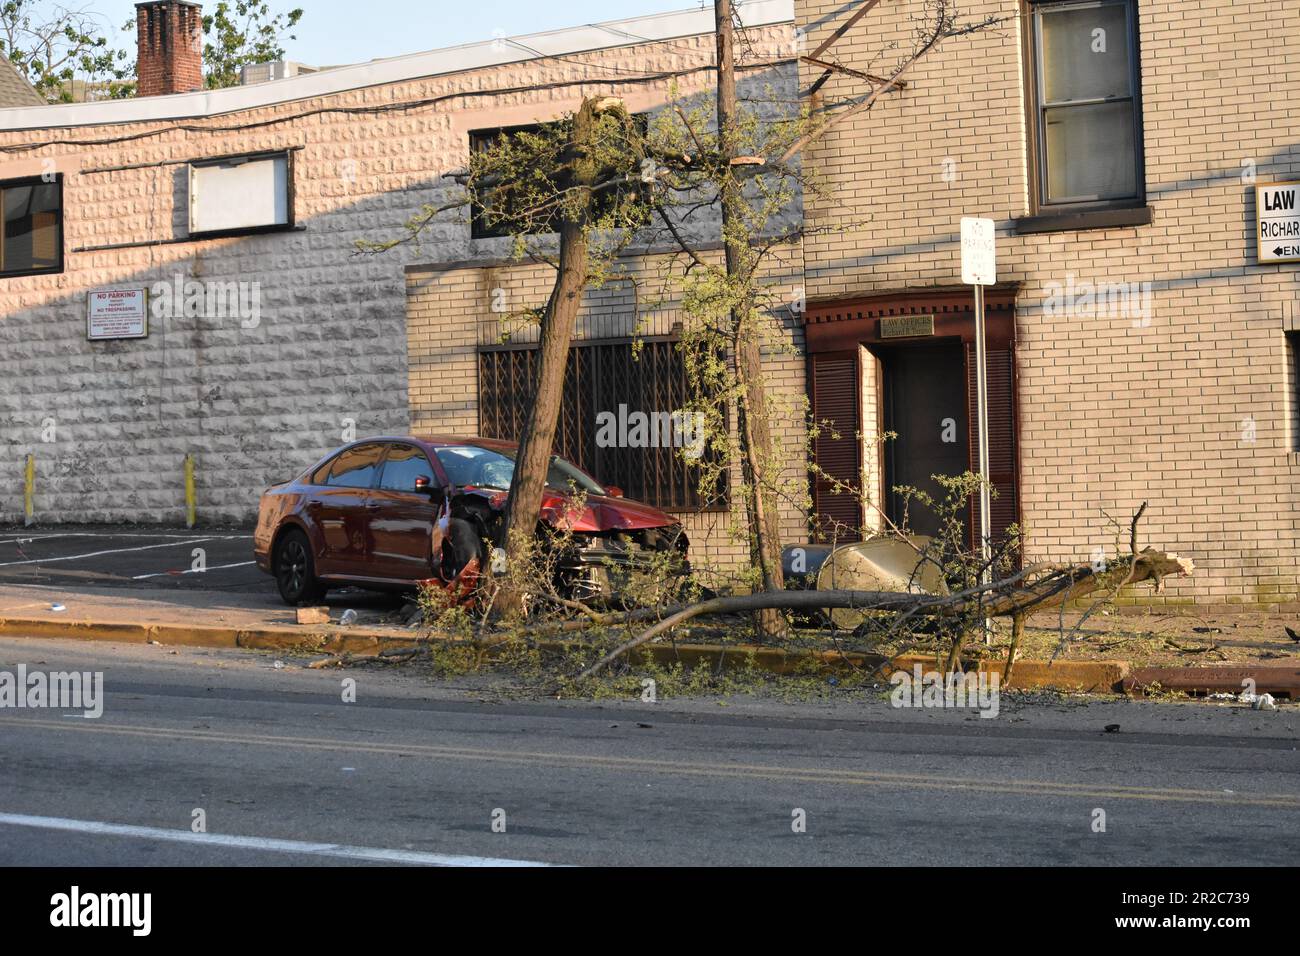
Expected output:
(321, 476)
(404, 464)
(355, 468)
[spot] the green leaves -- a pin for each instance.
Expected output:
(243, 32)
(65, 54)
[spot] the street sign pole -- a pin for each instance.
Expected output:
(978, 269)
(982, 401)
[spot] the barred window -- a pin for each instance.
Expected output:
(615, 418)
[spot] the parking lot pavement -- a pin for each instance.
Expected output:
(153, 576)
(215, 560)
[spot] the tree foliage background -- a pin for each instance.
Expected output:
(73, 54)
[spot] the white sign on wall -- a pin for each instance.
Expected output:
(978, 251)
(1277, 207)
(117, 314)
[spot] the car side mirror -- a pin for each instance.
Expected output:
(613, 491)
(424, 485)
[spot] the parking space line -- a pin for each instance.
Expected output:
(215, 567)
(100, 554)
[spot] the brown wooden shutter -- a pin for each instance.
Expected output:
(834, 386)
(1004, 450)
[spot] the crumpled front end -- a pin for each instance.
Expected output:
(617, 566)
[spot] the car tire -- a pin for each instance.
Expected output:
(465, 545)
(295, 570)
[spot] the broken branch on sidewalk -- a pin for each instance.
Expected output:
(1033, 589)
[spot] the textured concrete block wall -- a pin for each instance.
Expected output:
(1189, 408)
(110, 423)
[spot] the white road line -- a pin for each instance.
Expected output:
(215, 567)
(100, 554)
(263, 844)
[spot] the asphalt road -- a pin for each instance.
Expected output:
(286, 773)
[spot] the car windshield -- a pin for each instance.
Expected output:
(493, 468)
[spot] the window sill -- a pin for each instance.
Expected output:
(1078, 221)
(195, 237)
(26, 273)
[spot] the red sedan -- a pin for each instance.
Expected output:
(394, 513)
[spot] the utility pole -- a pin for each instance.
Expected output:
(756, 436)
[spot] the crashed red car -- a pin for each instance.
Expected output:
(394, 513)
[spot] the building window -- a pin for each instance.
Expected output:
(1293, 388)
(1087, 112)
(491, 226)
(241, 194)
(31, 242)
(607, 383)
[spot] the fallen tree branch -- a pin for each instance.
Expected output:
(999, 599)
(393, 655)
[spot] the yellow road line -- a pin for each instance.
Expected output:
(767, 772)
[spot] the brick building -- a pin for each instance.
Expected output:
(265, 340)
(1142, 345)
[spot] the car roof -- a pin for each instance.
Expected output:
(443, 441)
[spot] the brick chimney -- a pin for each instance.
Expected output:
(170, 38)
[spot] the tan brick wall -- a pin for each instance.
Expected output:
(1113, 411)
(451, 311)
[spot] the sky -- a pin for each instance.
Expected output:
(344, 31)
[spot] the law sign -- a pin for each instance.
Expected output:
(117, 314)
(978, 252)
(1277, 212)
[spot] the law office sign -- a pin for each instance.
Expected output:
(1277, 212)
(117, 314)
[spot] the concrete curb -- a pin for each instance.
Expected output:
(1083, 676)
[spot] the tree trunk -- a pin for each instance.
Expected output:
(532, 462)
(754, 429)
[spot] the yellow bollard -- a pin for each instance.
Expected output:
(191, 507)
(29, 491)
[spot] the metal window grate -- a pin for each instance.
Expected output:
(602, 376)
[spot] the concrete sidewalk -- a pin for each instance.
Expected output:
(255, 618)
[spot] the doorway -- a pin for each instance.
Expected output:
(923, 393)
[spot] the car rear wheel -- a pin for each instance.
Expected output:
(295, 571)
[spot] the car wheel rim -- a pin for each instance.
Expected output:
(293, 567)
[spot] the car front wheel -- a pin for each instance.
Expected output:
(295, 571)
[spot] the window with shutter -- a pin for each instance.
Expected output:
(837, 451)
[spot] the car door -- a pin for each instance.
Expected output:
(342, 510)
(406, 504)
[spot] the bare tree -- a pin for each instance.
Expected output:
(64, 52)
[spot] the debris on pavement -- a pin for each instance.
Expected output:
(313, 615)
(1263, 702)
